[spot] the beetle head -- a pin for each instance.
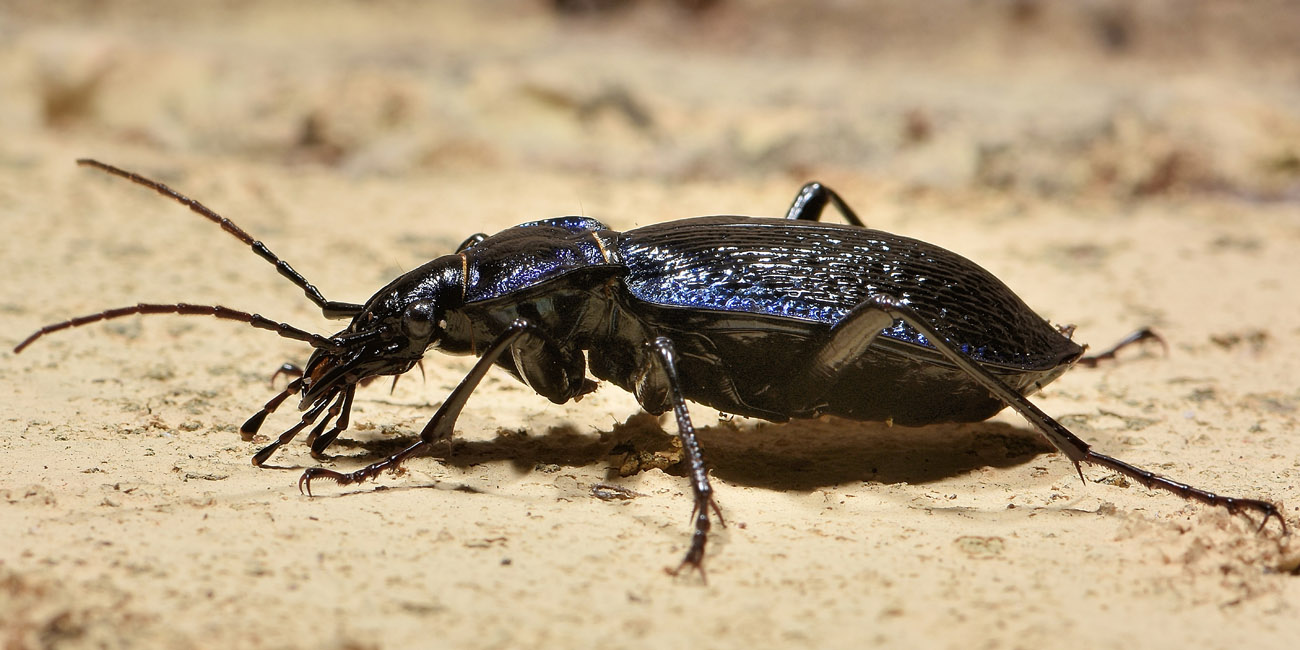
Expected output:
(390, 334)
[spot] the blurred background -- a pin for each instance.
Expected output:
(1096, 97)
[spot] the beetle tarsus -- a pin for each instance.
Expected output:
(1144, 335)
(313, 473)
(694, 560)
(1151, 480)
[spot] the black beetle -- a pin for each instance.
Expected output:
(767, 318)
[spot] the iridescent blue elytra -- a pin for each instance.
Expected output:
(820, 272)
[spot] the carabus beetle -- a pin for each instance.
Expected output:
(767, 318)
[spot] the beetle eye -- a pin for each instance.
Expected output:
(418, 319)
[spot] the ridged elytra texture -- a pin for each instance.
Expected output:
(819, 272)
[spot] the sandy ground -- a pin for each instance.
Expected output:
(1119, 166)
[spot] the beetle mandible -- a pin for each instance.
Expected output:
(767, 318)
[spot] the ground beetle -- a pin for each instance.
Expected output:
(767, 318)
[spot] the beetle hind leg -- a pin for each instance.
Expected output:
(856, 327)
(1144, 335)
(811, 201)
(1234, 505)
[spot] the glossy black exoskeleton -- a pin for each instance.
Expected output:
(768, 318)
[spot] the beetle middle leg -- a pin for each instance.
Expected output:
(659, 388)
(858, 329)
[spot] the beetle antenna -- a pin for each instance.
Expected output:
(256, 320)
(330, 308)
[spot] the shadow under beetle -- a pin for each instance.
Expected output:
(767, 318)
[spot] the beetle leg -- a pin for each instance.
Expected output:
(556, 372)
(669, 393)
(440, 426)
(849, 340)
(811, 200)
(287, 369)
(1140, 336)
(1069, 444)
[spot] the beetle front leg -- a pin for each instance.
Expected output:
(440, 426)
(659, 388)
(1069, 444)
